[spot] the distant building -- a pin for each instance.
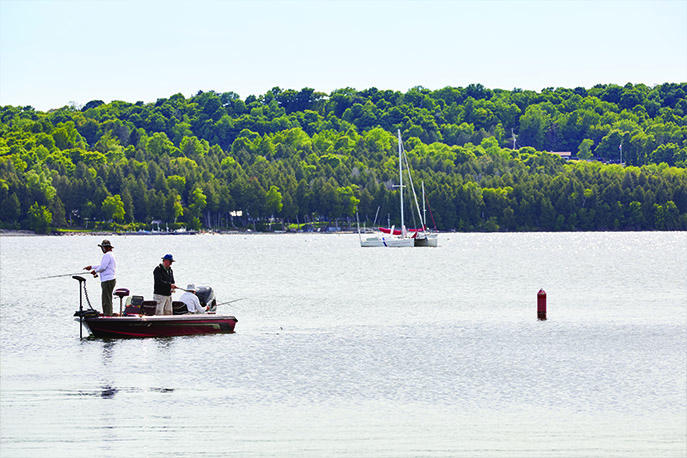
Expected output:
(564, 154)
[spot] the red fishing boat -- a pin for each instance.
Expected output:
(139, 319)
(158, 325)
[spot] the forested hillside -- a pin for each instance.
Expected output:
(305, 155)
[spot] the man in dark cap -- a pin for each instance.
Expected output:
(106, 269)
(164, 285)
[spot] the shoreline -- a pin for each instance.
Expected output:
(24, 233)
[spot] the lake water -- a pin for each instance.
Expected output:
(342, 351)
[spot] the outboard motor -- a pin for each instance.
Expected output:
(207, 297)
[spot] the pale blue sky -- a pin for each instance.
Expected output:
(53, 52)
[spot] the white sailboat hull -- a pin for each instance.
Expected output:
(385, 241)
(430, 240)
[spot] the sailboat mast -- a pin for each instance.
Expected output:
(400, 174)
(424, 210)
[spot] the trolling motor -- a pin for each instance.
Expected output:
(81, 313)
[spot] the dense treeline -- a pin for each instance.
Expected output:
(304, 155)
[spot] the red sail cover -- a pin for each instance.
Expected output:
(386, 230)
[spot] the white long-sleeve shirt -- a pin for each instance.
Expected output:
(192, 303)
(107, 267)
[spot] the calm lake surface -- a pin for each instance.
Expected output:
(342, 351)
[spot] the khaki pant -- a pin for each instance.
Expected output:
(107, 287)
(164, 304)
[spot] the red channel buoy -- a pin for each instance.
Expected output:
(541, 305)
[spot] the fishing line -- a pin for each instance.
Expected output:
(229, 302)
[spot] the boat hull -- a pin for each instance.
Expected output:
(159, 325)
(430, 240)
(381, 241)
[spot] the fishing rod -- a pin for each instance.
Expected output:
(193, 291)
(229, 302)
(95, 275)
(187, 290)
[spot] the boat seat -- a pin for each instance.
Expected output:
(133, 305)
(179, 308)
(121, 292)
(149, 308)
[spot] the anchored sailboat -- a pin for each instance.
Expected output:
(426, 237)
(403, 237)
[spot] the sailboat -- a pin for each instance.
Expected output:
(425, 237)
(403, 237)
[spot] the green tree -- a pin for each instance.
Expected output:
(532, 127)
(173, 207)
(58, 214)
(39, 218)
(349, 203)
(128, 204)
(159, 144)
(10, 210)
(273, 201)
(177, 183)
(198, 201)
(635, 217)
(584, 151)
(665, 153)
(113, 208)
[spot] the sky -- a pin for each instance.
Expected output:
(59, 52)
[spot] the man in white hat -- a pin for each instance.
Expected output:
(106, 269)
(191, 300)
